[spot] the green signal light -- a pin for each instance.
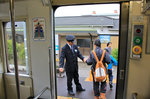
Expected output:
(137, 40)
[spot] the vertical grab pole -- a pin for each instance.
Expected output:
(50, 72)
(11, 4)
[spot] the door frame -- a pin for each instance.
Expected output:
(123, 54)
(123, 51)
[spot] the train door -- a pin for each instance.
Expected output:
(2, 96)
(23, 67)
(30, 18)
(123, 37)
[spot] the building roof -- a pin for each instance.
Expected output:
(116, 24)
(84, 21)
(85, 24)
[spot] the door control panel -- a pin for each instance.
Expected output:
(137, 41)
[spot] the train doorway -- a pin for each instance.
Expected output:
(86, 32)
(41, 73)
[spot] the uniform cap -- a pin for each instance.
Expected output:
(70, 37)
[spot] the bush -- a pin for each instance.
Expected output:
(114, 53)
(20, 51)
(10, 49)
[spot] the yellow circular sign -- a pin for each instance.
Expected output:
(137, 50)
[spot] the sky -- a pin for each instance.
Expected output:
(97, 9)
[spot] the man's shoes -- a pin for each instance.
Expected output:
(80, 90)
(71, 93)
(111, 85)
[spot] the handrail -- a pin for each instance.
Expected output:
(12, 19)
(46, 88)
(134, 95)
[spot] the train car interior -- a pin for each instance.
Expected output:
(33, 32)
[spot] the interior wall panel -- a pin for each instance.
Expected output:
(139, 74)
(25, 87)
(1, 87)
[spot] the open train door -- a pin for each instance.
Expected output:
(43, 73)
(123, 44)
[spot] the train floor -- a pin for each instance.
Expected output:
(62, 92)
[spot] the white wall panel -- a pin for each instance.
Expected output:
(139, 74)
(39, 49)
(25, 89)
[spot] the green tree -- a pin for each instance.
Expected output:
(114, 53)
(20, 51)
(10, 49)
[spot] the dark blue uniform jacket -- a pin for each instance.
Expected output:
(71, 57)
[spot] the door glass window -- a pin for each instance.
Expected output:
(21, 47)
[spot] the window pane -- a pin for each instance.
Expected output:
(83, 42)
(21, 46)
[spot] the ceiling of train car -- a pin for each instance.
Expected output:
(71, 2)
(3, 1)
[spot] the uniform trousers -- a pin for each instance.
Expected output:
(70, 76)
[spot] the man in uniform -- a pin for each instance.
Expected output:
(71, 53)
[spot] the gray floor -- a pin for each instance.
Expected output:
(88, 94)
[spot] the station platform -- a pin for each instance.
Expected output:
(62, 92)
(84, 69)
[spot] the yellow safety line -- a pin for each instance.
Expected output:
(87, 79)
(62, 97)
(57, 60)
(114, 80)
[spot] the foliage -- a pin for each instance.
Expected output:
(20, 51)
(10, 49)
(114, 53)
